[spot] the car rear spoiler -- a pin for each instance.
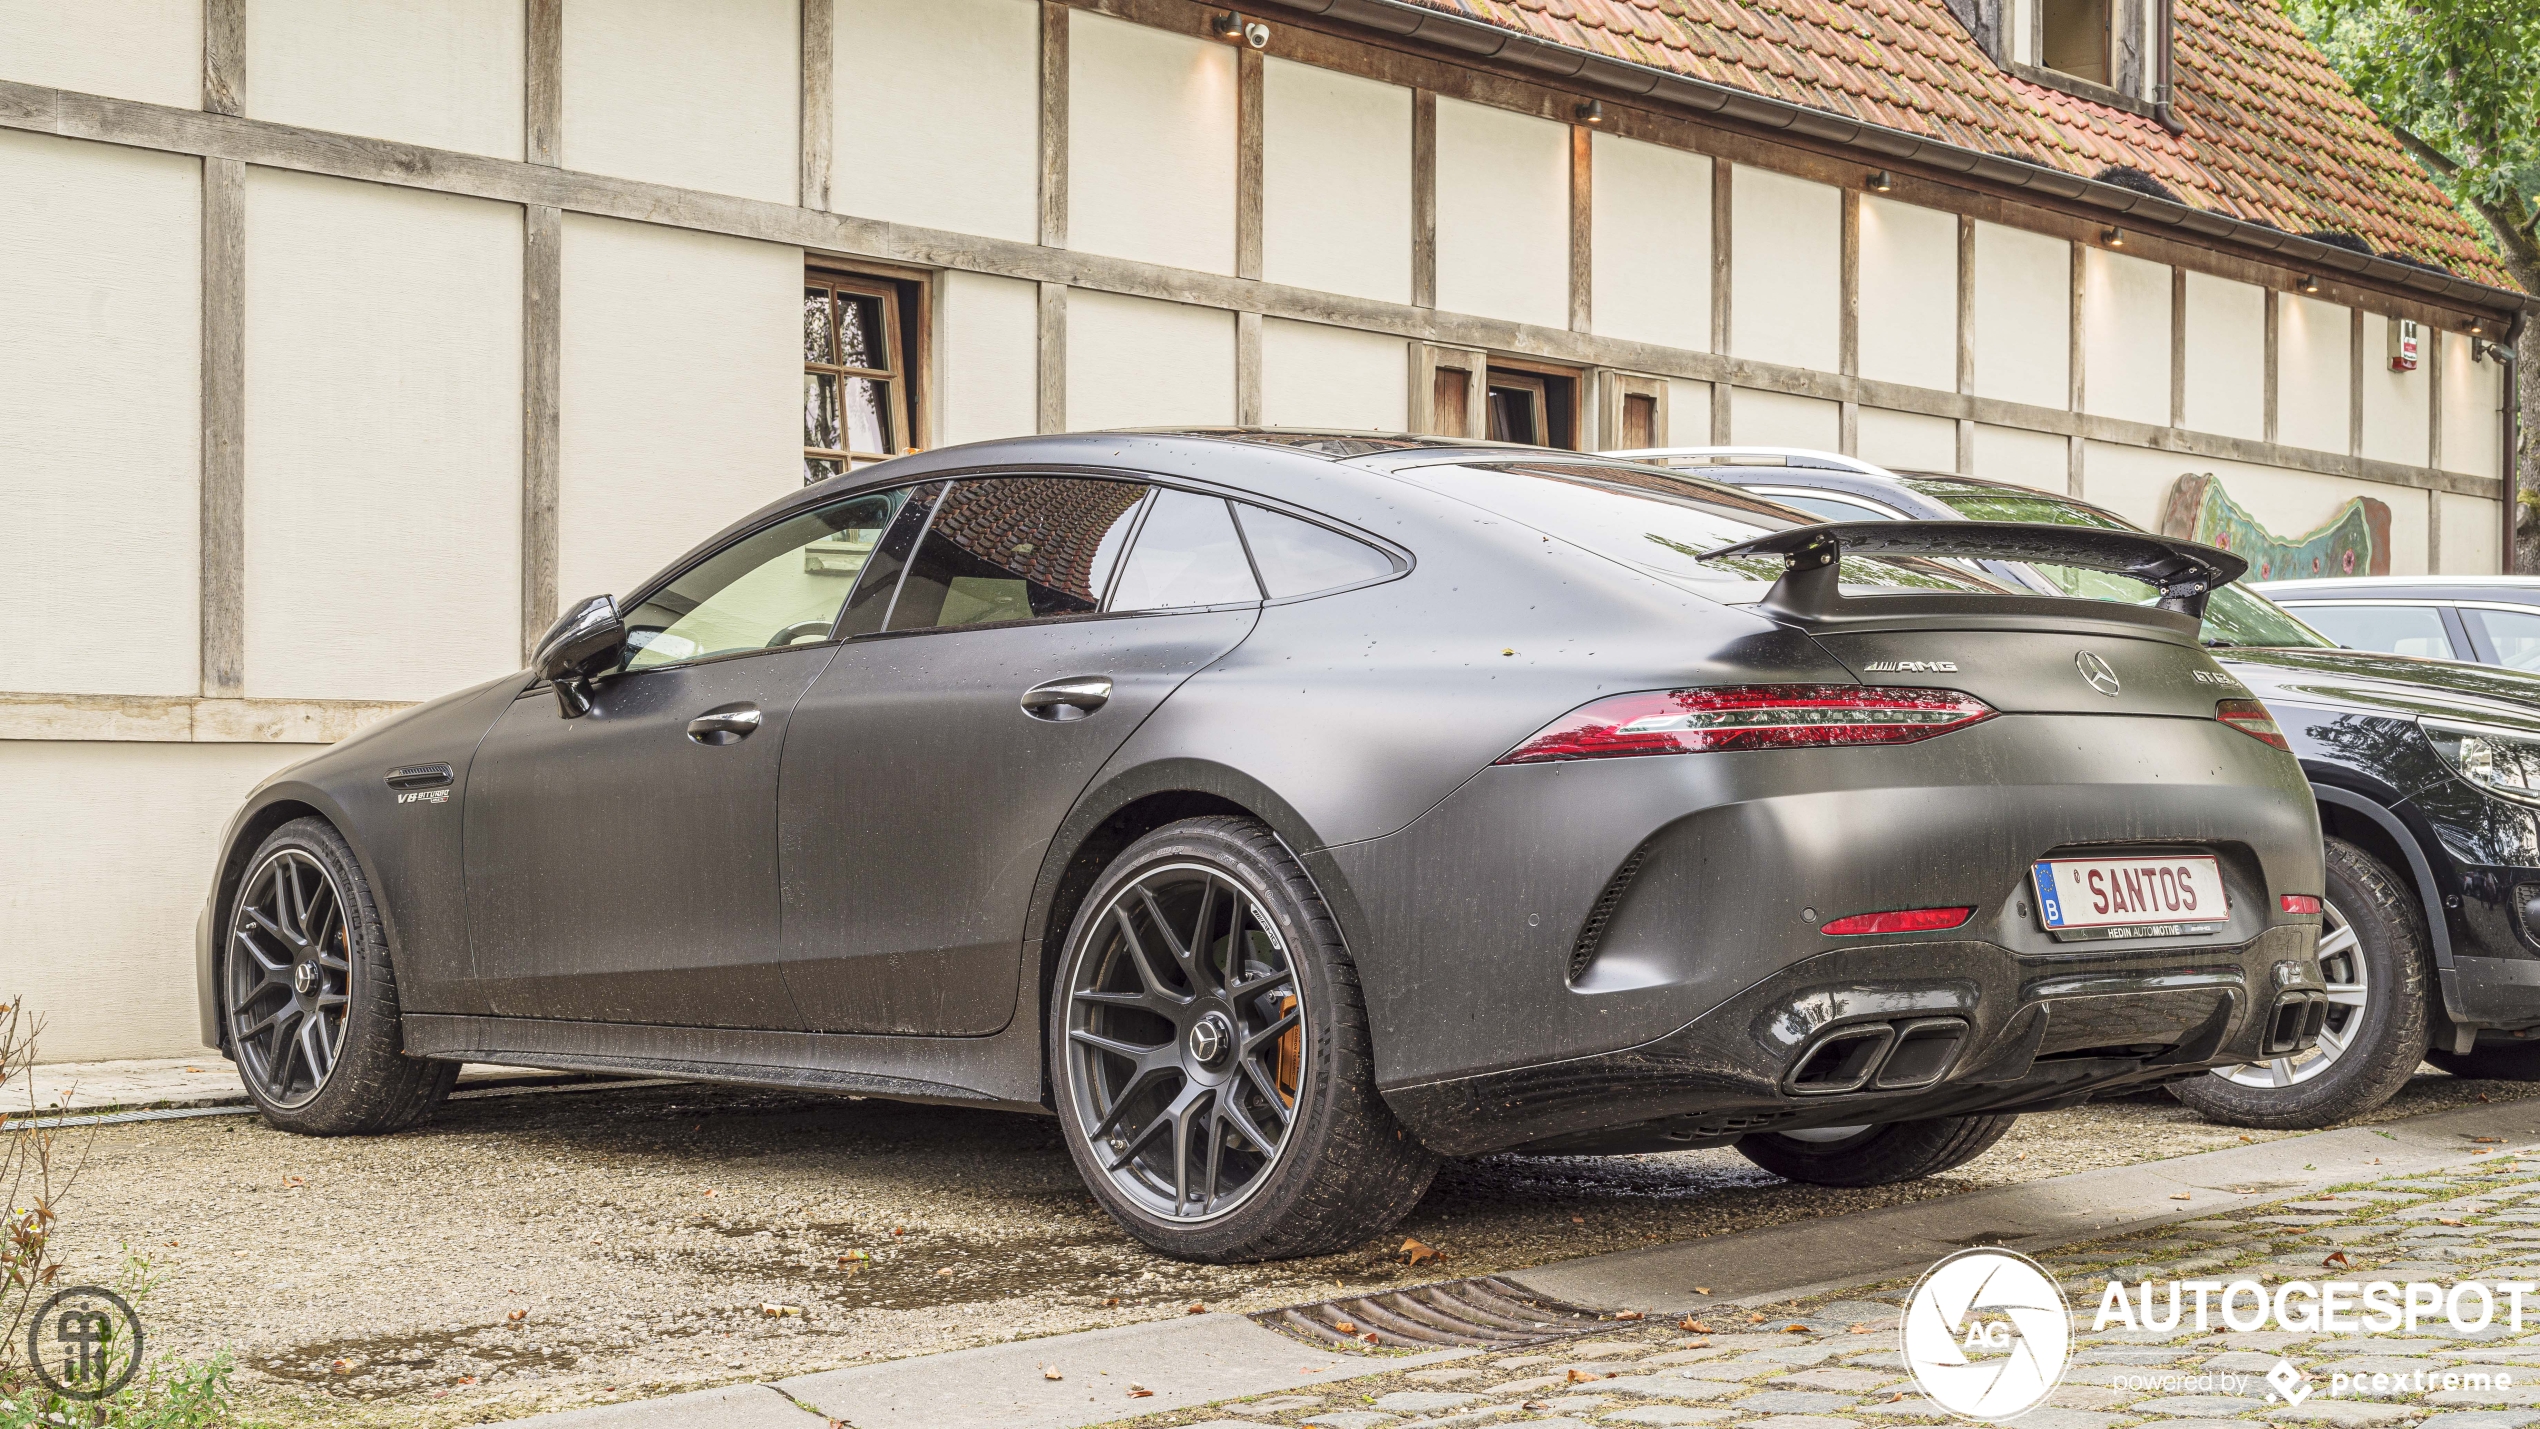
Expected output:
(2184, 572)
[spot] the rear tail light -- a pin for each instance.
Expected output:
(2301, 904)
(1904, 920)
(2251, 718)
(1749, 717)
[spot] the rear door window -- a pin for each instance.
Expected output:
(2513, 634)
(1300, 558)
(1009, 548)
(2392, 629)
(1187, 555)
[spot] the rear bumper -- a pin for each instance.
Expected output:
(1878, 1034)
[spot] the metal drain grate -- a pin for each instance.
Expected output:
(1485, 1312)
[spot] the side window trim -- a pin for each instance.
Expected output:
(1128, 548)
(899, 582)
(2468, 634)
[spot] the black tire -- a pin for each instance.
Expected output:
(1343, 1170)
(1879, 1155)
(2377, 1046)
(370, 1086)
(2492, 1062)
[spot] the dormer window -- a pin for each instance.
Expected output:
(2074, 38)
(2113, 52)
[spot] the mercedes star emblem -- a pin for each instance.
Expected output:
(2101, 676)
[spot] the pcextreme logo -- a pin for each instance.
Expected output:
(1987, 1334)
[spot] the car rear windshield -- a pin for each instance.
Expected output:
(1661, 523)
(2234, 615)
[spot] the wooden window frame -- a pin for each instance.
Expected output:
(1614, 394)
(905, 299)
(1542, 374)
(1428, 359)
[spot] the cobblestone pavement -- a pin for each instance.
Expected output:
(1832, 1362)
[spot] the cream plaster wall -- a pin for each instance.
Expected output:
(986, 373)
(1137, 362)
(1316, 376)
(2125, 333)
(2473, 431)
(2029, 458)
(1335, 182)
(2226, 357)
(1503, 214)
(2023, 316)
(150, 50)
(701, 96)
(1777, 419)
(1150, 144)
(1909, 294)
(1688, 413)
(441, 73)
(1785, 270)
(2395, 403)
(383, 439)
(2135, 482)
(100, 303)
(681, 411)
(938, 115)
(1651, 222)
(2472, 535)
(113, 976)
(1905, 441)
(2314, 375)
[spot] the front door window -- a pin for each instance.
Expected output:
(779, 587)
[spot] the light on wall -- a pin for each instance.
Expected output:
(2308, 284)
(2113, 236)
(1590, 111)
(1234, 28)
(1880, 181)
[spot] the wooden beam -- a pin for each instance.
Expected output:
(1582, 228)
(2434, 416)
(1247, 369)
(541, 432)
(1054, 73)
(819, 103)
(1723, 231)
(1050, 334)
(1424, 198)
(1966, 339)
(1848, 329)
(225, 56)
(2076, 368)
(223, 512)
(2355, 382)
(1248, 160)
(2178, 347)
(185, 719)
(2270, 366)
(543, 92)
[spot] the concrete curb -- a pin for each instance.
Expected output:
(1204, 1358)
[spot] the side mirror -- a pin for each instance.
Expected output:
(581, 645)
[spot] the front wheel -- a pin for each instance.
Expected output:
(1210, 1056)
(309, 997)
(2372, 956)
(1876, 1155)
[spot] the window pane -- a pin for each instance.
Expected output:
(2393, 629)
(860, 332)
(820, 411)
(816, 344)
(868, 426)
(821, 468)
(1187, 554)
(1298, 557)
(1017, 548)
(880, 579)
(780, 587)
(2514, 633)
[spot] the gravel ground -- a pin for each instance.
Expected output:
(542, 1251)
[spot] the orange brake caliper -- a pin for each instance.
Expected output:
(1291, 1052)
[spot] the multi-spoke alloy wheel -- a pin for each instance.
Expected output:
(2349, 983)
(1210, 1058)
(290, 977)
(1186, 1031)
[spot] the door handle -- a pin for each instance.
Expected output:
(1063, 700)
(726, 724)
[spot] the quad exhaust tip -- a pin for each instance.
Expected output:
(1886, 1056)
(2296, 1022)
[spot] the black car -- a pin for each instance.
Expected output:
(2428, 778)
(2492, 620)
(1285, 811)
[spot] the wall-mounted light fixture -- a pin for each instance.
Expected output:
(1880, 181)
(1235, 29)
(2308, 284)
(2113, 236)
(1590, 111)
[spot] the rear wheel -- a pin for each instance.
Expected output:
(2372, 955)
(1210, 1056)
(1876, 1155)
(2493, 1062)
(310, 999)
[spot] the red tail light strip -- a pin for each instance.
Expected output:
(2300, 904)
(1906, 920)
(2251, 718)
(1749, 717)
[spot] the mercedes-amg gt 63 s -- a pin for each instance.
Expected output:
(1285, 811)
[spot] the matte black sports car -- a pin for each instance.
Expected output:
(2428, 777)
(1284, 811)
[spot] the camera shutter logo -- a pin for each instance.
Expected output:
(84, 1343)
(1987, 1334)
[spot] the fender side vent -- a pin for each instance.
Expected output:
(1592, 932)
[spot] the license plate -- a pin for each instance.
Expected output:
(2130, 897)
